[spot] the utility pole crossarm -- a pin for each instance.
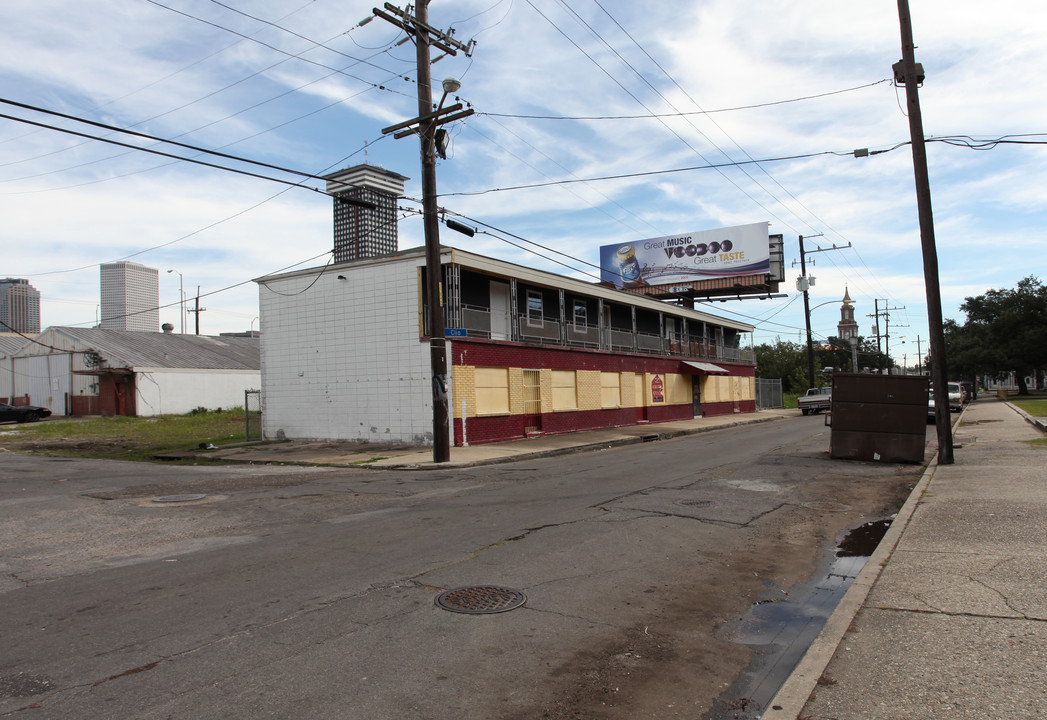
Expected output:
(424, 125)
(413, 25)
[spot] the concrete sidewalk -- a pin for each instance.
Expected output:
(416, 458)
(949, 617)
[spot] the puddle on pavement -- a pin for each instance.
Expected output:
(783, 624)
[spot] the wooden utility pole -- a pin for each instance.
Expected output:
(807, 316)
(908, 73)
(197, 310)
(425, 125)
(803, 284)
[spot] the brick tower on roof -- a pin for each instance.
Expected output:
(361, 231)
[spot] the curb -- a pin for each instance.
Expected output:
(1038, 423)
(618, 442)
(789, 701)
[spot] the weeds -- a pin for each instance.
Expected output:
(126, 438)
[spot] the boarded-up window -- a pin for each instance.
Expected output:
(492, 391)
(610, 389)
(565, 390)
(678, 389)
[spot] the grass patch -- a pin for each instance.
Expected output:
(125, 438)
(1040, 442)
(1036, 408)
(789, 400)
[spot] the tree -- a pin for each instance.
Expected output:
(785, 360)
(1005, 331)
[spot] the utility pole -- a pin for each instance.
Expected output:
(197, 310)
(919, 357)
(908, 73)
(876, 329)
(803, 283)
(425, 125)
(887, 332)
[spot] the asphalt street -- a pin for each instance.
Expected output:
(309, 592)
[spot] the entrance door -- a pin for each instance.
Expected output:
(696, 394)
(499, 310)
(532, 388)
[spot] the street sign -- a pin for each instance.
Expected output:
(455, 332)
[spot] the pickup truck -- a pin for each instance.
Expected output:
(815, 400)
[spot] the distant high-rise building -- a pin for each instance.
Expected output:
(361, 231)
(130, 297)
(19, 306)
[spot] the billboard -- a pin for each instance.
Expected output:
(688, 257)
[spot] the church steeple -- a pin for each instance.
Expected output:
(848, 328)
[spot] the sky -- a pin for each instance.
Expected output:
(776, 94)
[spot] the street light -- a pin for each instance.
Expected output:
(181, 299)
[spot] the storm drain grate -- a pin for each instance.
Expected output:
(179, 498)
(481, 599)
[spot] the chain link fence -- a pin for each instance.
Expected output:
(768, 393)
(253, 414)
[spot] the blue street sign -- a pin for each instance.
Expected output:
(455, 332)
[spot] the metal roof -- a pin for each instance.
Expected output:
(10, 343)
(130, 349)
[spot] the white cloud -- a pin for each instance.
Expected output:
(123, 64)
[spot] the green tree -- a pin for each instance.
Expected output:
(782, 359)
(1005, 331)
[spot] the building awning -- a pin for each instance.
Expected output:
(699, 368)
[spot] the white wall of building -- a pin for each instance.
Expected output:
(166, 391)
(342, 359)
(7, 377)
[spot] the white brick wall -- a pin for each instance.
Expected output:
(341, 359)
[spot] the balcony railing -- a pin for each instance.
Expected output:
(477, 322)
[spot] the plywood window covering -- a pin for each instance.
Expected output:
(492, 391)
(678, 389)
(610, 389)
(565, 390)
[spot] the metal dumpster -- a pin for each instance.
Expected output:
(879, 417)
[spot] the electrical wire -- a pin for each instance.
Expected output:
(169, 155)
(276, 49)
(685, 113)
(649, 173)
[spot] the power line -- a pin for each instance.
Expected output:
(135, 133)
(685, 113)
(175, 157)
(649, 173)
(276, 49)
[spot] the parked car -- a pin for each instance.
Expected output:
(956, 397)
(22, 413)
(815, 400)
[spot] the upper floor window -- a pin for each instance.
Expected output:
(534, 308)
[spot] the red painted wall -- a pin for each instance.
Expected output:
(486, 353)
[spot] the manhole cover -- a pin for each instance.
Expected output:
(695, 503)
(178, 498)
(481, 599)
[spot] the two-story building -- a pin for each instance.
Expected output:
(345, 353)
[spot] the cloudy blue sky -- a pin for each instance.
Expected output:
(564, 91)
